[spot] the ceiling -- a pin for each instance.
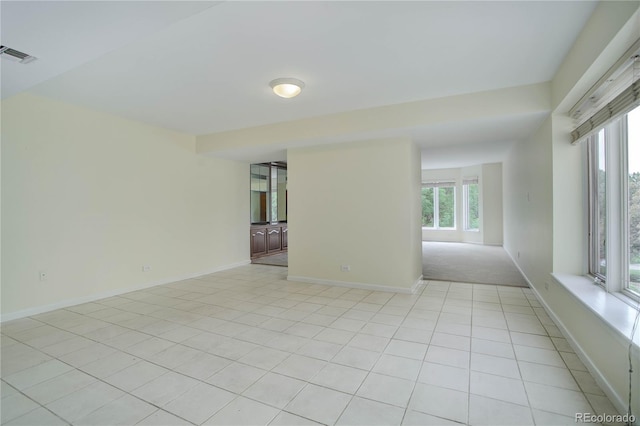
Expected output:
(204, 67)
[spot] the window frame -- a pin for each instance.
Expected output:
(616, 279)
(465, 204)
(436, 205)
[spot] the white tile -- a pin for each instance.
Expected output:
(547, 375)
(440, 402)
(491, 412)
(59, 386)
(381, 330)
(39, 416)
(452, 341)
(243, 411)
(162, 418)
(545, 418)
(331, 335)
(299, 367)
(202, 366)
(416, 418)
(348, 324)
(340, 377)
(490, 347)
(233, 349)
(109, 365)
(497, 387)
(288, 419)
(587, 383)
(165, 388)
(445, 376)
(446, 356)
(537, 355)
(125, 410)
(82, 402)
(534, 340)
(319, 404)
(265, 358)
(390, 390)
(395, 366)
(147, 348)
(488, 333)
(236, 377)
(274, 389)
(406, 349)
(355, 357)
(135, 376)
(174, 356)
(366, 412)
(369, 342)
(495, 365)
(15, 406)
(556, 400)
(37, 374)
(413, 335)
(199, 403)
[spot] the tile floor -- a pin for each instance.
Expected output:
(245, 346)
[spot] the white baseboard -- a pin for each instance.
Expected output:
(364, 286)
(613, 396)
(103, 295)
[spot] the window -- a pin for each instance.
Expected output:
(439, 205)
(470, 204)
(614, 204)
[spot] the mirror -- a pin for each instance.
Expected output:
(268, 193)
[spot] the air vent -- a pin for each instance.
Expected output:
(16, 55)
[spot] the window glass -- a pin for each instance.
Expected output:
(472, 216)
(427, 207)
(446, 207)
(633, 200)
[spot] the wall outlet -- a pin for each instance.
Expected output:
(43, 275)
(146, 268)
(518, 255)
(345, 268)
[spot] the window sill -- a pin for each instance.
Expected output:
(438, 229)
(613, 311)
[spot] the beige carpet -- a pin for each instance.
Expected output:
(469, 263)
(279, 259)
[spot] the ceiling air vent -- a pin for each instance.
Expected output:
(16, 55)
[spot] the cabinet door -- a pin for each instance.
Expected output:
(258, 242)
(273, 239)
(285, 241)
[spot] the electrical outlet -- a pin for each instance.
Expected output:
(518, 255)
(43, 275)
(345, 268)
(146, 268)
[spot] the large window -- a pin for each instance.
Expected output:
(470, 204)
(614, 204)
(439, 205)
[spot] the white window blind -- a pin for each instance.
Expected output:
(438, 184)
(470, 180)
(617, 93)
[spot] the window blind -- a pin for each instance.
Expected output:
(617, 93)
(470, 180)
(438, 184)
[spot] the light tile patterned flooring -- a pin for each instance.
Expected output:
(245, 346)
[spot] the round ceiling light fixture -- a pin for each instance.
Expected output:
(287, 87)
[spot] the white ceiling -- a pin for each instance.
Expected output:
(197, 68)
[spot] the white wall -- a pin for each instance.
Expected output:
(90, 198)
(544, 201)
(491, 206)
(355, 204)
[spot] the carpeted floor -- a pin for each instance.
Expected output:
(280, 259)
(469, 263)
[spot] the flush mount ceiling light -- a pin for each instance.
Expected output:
(287, 87)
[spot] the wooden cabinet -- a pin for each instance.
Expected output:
(268, 239)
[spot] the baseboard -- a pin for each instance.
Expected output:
(613, 396)
(363, 286)
(103, 295)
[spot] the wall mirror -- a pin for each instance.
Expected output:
(268, 193)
